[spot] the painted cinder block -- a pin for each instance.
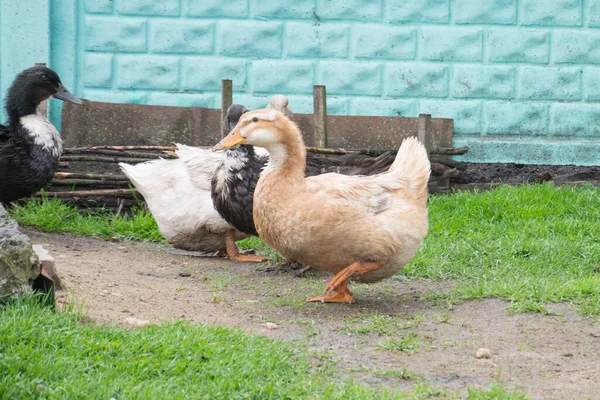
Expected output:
(98, 70)
(308, 40)
(112, 34)
(373, 41)
(485, 12)
(282, 76)
(550, 83)
(451, 44)
(253, 39)
(466, 114)
(99, 6)
(516, 118)
(217, 8)
(205, 74)
(518, 45)
(593, 13)
(186, 37)
(384, 107)
(417, 80)
(284, 9)
(479, 81)
(362, 10)
(147, 72)
(148, 7)
(591, 83)
(430, 11)
(575, 119)
(350, 78)
(552, 12)
(576, 47)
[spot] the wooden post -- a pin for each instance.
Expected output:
(226, 102)
(320, 111)
(43, 106)
(424, 133)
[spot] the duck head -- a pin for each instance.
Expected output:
(263, 128)
(234, 113)
(31, 87)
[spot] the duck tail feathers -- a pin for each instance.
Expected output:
(413, 164)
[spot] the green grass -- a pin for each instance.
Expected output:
(407, 343)
(530, 245)
(57, 356)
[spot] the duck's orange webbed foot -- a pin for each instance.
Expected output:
(337, 291)
(233, 252)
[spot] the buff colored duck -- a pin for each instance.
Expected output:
(363, 228)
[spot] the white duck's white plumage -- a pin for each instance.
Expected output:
(178, 194)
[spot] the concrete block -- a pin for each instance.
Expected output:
(284, 9)
(576, 47)
(217, 8)
(417, 80)
(479, 81)
(348, 78)
(451, 44)
(48, 264)
(99, 6)
(432, 11)
(308, 40)
(115, 34)
(518, 45)
(362, 10)
(550, 83)
(250, 38)
(466, 114)
(592, 15)
(183, 37)
(575, 120)
(98, 70)
(552, 12)
(384, 107)
(282, 76)
(148, 7)
(516, 118)
(384, 42)
(147, 72)
(485, 12)
(205, 74)
(591, 83)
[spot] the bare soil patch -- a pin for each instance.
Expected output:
(545, 356)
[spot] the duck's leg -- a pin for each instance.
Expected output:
(337, 291)
(233, 252)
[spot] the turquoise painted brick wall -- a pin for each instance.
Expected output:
(521, 78)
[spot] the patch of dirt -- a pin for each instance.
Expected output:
(546, 356)
(522, 173)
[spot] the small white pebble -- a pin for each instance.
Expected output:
(136, 322)
(270, 325)
(483, 353)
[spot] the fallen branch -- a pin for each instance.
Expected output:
(122, 153)
(91, 193)
(87, 182)
(105, 159)
(104, 177)
(123, 148)
(321, 150)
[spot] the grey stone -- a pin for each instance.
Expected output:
(19, 265)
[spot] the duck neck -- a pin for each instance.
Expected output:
(288, 158)
(20, 103)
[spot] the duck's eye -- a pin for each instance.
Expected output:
(44, 77)
(255, 119)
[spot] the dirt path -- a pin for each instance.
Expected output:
(390, 336)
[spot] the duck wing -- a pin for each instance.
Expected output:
(201, 164)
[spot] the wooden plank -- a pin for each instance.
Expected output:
(226, 102)
(424, 133)
(320, 114)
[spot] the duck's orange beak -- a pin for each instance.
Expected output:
(233, 139)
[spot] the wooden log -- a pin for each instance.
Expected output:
(122, 148)
(105, 177)
(105, 159)
(454, 151)
(88, 182)
(128, 193)
(320, 114)
(226, 102)
(117, 153)
(330, 151)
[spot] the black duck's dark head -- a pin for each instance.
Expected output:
(31, 87)
(234, 113)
